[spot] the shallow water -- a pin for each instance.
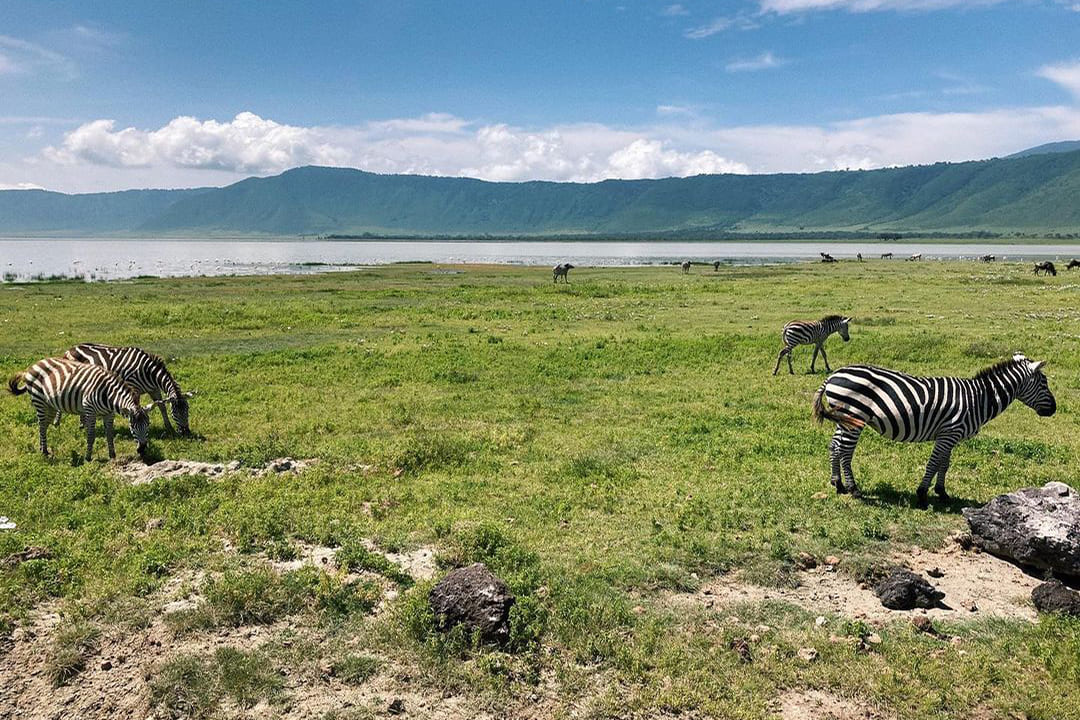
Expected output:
(110, 259)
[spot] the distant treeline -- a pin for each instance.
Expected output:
(709, 236)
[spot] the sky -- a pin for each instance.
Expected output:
(103, 96)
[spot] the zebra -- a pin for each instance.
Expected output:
(886, 256)
(58, 385)
(716, 265)
(1072, 263)
(144, 372)
(807, 332)
(919, 409)
(827, 258)
(988, 258)
(915, 257)
(1046, 267)
(686, 266)
(562, 270)
(859, 256)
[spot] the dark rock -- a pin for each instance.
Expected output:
(474, 598)
(742, 649)
(1053, 597)
(397, 707)
(904, 590)
(1039, 527)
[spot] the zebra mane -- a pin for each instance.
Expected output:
(832, 318)
(996, 368)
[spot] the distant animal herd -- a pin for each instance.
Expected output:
(93, 381)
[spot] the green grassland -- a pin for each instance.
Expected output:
(600, 445)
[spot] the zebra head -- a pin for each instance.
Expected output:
(1035, 392)
(140, 428)
(843, 329)
(180, 405)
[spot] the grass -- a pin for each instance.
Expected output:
(597, 444)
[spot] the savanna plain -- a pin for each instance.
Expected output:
(612, 448)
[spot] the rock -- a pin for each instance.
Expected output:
(30, 552)
(808, 654)
(963, 540)
(936, 572)
(820, 621)
(831, 562)
(805, 561)
(1054, 597)
(904, 590)
(474, 598)
(970, 606)
(155, 524)
(1039, 527)
(106, 666)
(397, 707)
(742, 649)
(873, 639)
(923, 624)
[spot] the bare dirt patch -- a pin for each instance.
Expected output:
(138, 472)
(821, 705)
(975, 585)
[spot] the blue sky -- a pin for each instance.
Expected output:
(111, 95)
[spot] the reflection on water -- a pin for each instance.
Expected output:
(109, 259)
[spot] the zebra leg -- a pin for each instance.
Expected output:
(813, 360)
(156, 397)
(834, 457)
(943, 467)
(941, 453)
(43, 428)
(90, 423)
(848, 437)
(108, 421)
(826, 359)
(783, 351)
(790, 367)
(56, 420)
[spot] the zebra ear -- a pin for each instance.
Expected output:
(1037, 366)
(190, 393)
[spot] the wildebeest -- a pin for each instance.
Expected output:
(562, 270)
(1046, 267)
(988, 258)
(827, 258)
(859, 256)
(1072, 263)
(716, 265)
(686, 266)
(886, 256)
(915, 257)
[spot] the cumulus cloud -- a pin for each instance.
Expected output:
(189, 152)
(764, 61)
(1065, 74)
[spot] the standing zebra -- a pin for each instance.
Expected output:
(918, 409)
(685, 266)
(143, 371)
(1072, 263)
(807, 332)
(58, 385)
(886, 256)
(1046, 267)
(561, 270)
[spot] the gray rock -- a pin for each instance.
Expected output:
(904, 590)
(1054, 597)
(1039, 527)
(476, 599)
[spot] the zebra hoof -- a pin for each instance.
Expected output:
(943, 496)
(855, 492)
(840, 489)
(921, 501)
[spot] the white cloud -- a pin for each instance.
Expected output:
(24, 57)
(20, 186)
(1065, 74)
(675, 10)
(187, 152)
(674, 110)
(784, 7)
(764, 61)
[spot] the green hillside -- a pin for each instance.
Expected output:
(1035, 193)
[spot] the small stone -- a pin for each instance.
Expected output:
(936, 572)
(923, 624)
(233, 466)
(763, 628)
(1054, 597)
(637, 610)
(808, 654)
(397, 707)
(904, 590)
(969, 605)
(832, 561)
(106, 665)
(819, 496)
(805, 561)
(155, 524)
(820, 621)
(963, 540)
(754, 638)
(873, 639)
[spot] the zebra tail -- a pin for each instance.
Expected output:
(822, 412)
(13, 384)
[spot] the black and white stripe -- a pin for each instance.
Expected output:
(562, 270)
(919, 409)
(143, 371)
(58, 385)
(810, 332)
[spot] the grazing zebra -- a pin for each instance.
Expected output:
(886, 256)
(686, 266)
(915, 257)
(1046, 267)
(827, 258)
(1072, 263)
(988, 258)
(807, 332)
(919, 409)
(58, 385)
(562, 270)
(144, 372)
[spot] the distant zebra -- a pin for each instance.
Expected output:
(918, 409)
(57, 385)
(915, 257)
(562, 270)
(988, 258)
(1046, 267)
(143, 371)
(716, 265)
(1072, 263)
(686, 266)
(809, 332)
(886, 256)
(859, 256)
(827, 258)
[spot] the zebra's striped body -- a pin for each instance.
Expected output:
(143, 371)
(919, 409)
(561, 270)
(685, 266)
(811, 332)
(58, 385)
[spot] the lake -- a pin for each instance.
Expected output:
(111, 259)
